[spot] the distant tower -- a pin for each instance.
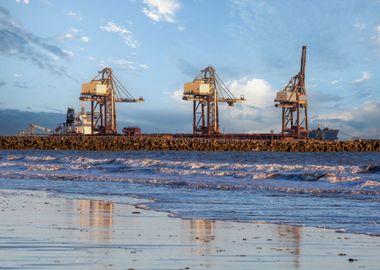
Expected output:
(293, 101)
(206, 91)
(70, 117)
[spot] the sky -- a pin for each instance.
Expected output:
(48, 48)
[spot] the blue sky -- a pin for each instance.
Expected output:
(48, 48)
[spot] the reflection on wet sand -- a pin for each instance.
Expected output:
(202, 232)
(207, 236)
(40, 231)
(292, 235)
(97, 216)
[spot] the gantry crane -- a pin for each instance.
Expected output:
(206, 91)
(293, 101)
(103, 92)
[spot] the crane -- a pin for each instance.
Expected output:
(293, 101)
(103, 91)
(206, 91)
(31, 130)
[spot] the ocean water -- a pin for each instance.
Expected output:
(333, 190)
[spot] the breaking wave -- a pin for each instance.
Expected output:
(370, 169)
(49, 174)
(334, 174)
(370, 183)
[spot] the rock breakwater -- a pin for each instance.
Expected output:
(120, 143)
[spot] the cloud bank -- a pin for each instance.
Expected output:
(358, 122)
(257, 113)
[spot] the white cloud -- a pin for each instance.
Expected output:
(73, 34)
(70, 53)
(65, 36)
(73, 14)
(375, 38)
(85, 39)
(258, 92)
(257, 113)
(359, 26)
(181, 28)
(161, 10)
(91, 58)
(334, 82)
(143, 66)
(125, 64)
(75, 30)
(177, 95)
(26, 2)
(378, 36)
(124, 33)
(365, 77)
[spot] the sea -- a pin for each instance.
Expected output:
(340, 191)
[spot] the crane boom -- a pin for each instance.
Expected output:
(34, 126)
(31, 130)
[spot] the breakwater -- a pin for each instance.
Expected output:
(121, 143)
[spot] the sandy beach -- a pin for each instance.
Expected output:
(43, 231)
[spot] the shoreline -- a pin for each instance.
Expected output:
(122, 143)
(40, 230)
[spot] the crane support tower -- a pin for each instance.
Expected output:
(206, 91)
(293, 101)
(103, 92)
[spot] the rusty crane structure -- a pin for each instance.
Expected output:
(206, 91)
(293, 101)
(103, 91)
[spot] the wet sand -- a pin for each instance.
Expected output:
(39, 230)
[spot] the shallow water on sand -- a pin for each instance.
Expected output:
(40, 230)
(334, 190)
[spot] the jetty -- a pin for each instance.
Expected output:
(169, 143)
